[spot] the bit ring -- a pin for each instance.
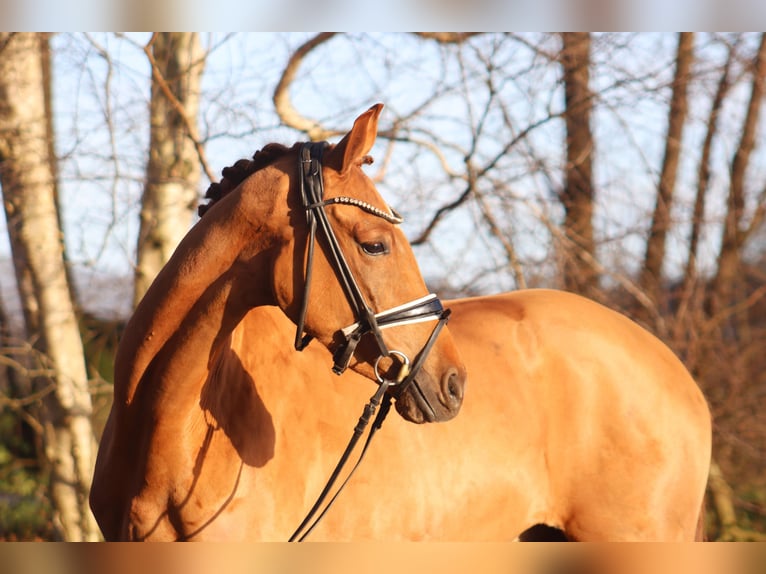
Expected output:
(404, 370)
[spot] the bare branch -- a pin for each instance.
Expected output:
(282, 103)
(18, 404)
(466, 194)
(447, 37)
(550, 56)
(703, 173)
(505, 241)
(588, 258)
(759, 215)
(654, 258)
(730, 253)
(293, 118)
(440, 213)
(737, 307)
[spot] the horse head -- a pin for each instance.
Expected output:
(361, 281)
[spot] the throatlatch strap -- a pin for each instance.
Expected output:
(312, 192)
(310, 175)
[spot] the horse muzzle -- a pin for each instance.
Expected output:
(428, 399)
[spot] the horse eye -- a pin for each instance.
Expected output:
(375, 248)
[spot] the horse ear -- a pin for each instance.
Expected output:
(357, 143)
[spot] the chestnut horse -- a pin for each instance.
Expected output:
(255, 247)
(575, 418)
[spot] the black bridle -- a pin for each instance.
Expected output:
(427, 308)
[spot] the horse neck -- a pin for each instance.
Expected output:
(218, 272)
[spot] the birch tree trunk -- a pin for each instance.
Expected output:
(578, 193)
(27, 176)
(170, 195)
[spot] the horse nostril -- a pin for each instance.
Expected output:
(454, 391)
(453, 388)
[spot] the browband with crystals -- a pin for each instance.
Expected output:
(392, 217)
(427, 308)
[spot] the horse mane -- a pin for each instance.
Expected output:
(235, 174)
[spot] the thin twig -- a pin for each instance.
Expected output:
(447, 37)
(466, 193)
(505, 240)
(18, 404)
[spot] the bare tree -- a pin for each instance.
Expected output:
(735, 232)
(173, 170)
(651, 272)
(703, 176)
(729, 358)
(282, 101)
(578, 193)
(473, 156)
(27, 176)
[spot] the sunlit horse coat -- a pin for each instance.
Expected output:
(573, 417)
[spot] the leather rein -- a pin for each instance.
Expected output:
(428, 308)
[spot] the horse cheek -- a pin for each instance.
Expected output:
(288, 281)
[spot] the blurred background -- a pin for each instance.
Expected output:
(629, 167)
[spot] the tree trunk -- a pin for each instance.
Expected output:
(578, 193)
(27, 176)
(703, 174)
(730, 255)
(651, 273)
(688, 325)
(173, 171)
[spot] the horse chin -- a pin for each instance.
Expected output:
(410, 411)
(414, 406)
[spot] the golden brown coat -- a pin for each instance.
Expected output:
(573, 416)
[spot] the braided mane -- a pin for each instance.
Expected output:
(241, 170)
(235, 174)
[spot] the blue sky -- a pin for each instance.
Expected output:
(102, 131)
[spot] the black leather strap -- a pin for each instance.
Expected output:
(379, 398)
(312, 192)
(367, 322)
